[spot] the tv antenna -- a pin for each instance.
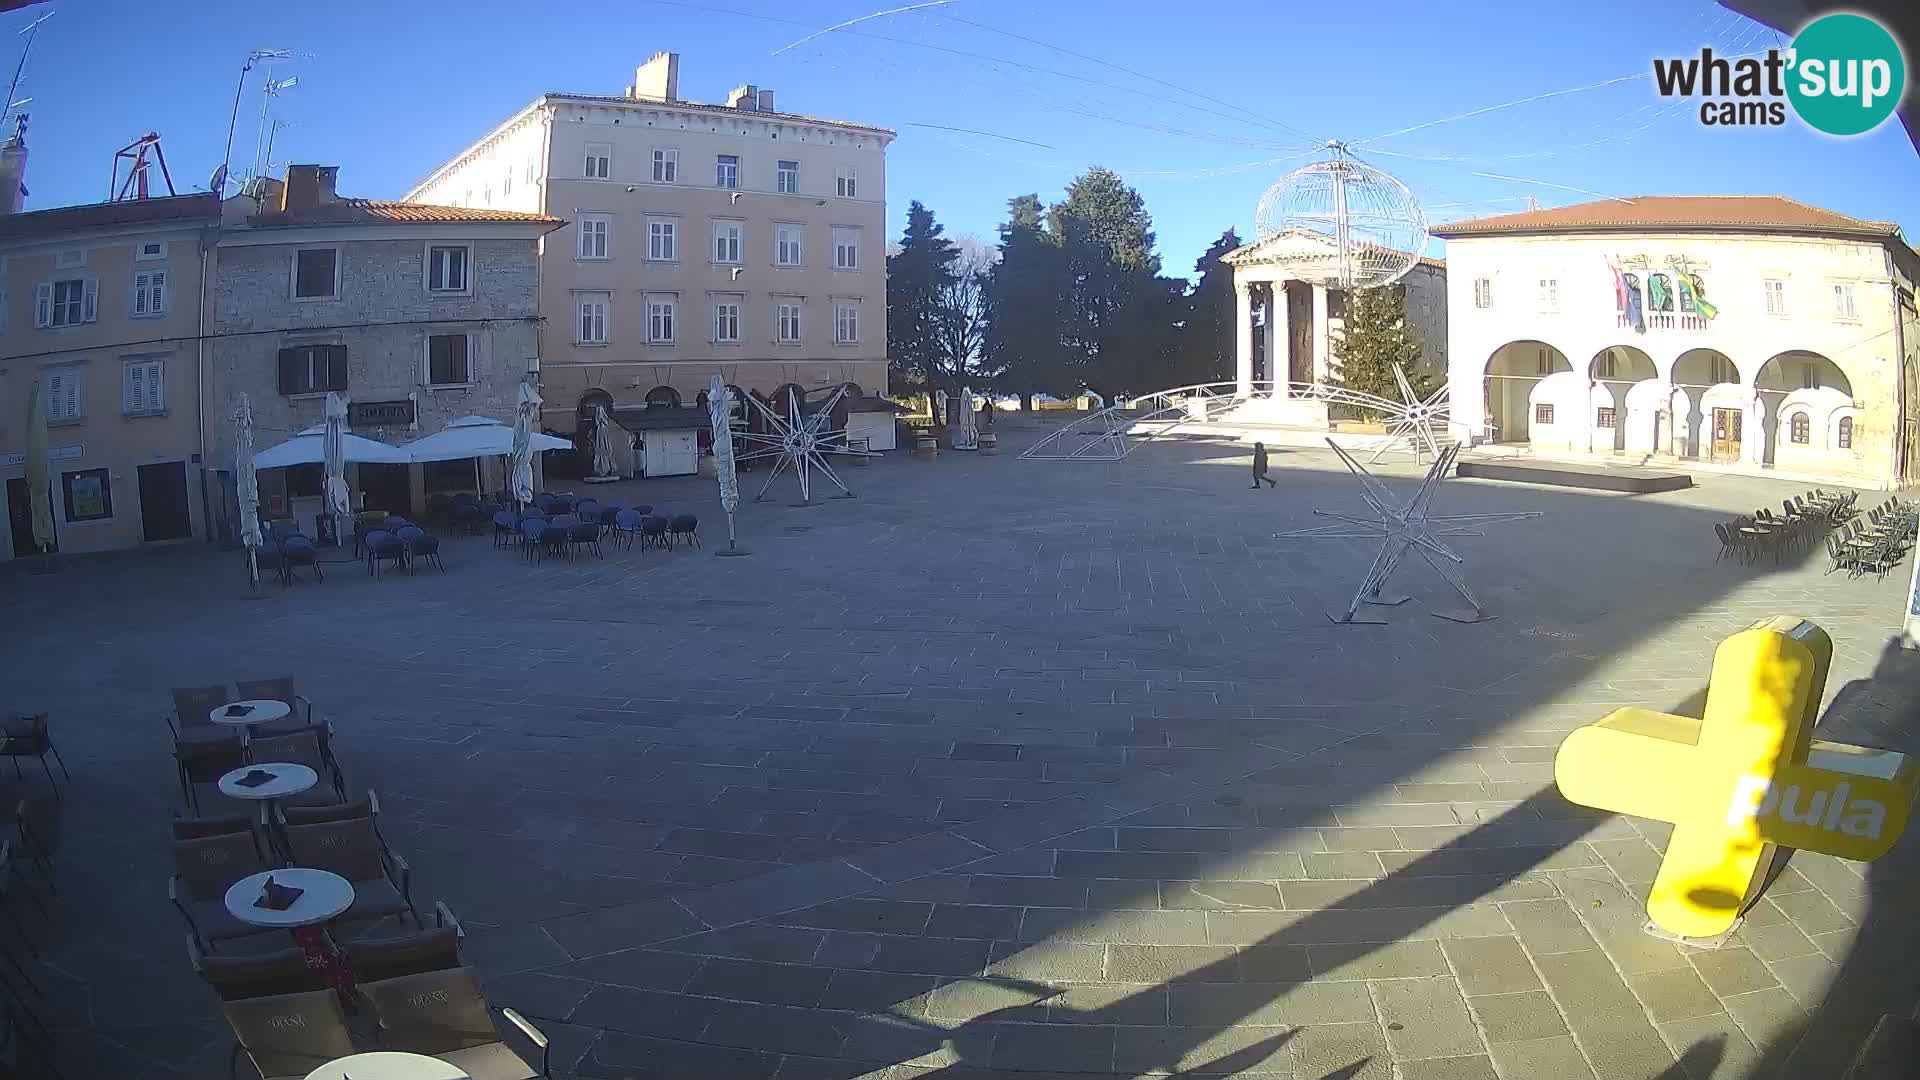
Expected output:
(263, 137)
(31, 30)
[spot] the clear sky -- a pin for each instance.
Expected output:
(1200, 105)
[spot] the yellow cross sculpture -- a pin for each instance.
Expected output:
(1745, 777)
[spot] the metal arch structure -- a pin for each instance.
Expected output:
(1107, 435)
(800, 441)
(1369, 219)
(1403, 527)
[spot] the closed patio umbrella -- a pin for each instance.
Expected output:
(247, 486)
(603, 429)
(525, 412)
(37, 499)
(720, 415)
(338, 505)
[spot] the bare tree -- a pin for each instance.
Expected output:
(963, 315)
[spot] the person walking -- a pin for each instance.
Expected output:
(1260, 466)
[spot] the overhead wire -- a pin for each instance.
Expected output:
(864, 18)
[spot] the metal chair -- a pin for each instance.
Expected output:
(296, 551)
(443, 1014)
(684, 527)
(202, 762)
(204, 868)
(560, 533)
(653, 531)
(288, 1036)
(302, 748)
(268, 974)
(192, 711)
(533, 532)
(586, 534)
(384, 546)
(434, 948)
(300, 714)
(505, 526)
(421, 546)
(382, 880)
(28, 736)
(626, 525)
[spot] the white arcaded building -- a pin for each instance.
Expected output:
(1754, 332)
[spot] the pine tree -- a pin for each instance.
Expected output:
(1207, 338)
(1375, 337)
(918, 275)
(1025, 298)
(1106, 237)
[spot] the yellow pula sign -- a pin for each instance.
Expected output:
(1746, 776)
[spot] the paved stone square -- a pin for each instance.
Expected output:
(1003, 768)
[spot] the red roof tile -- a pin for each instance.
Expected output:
(379, 212)
(108, 215)
(1744, 213)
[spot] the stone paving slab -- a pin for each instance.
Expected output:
(1094, 792)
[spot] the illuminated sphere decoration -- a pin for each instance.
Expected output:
(1363, 227)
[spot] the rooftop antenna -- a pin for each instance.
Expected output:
(226, 159)
(136, 153)
(31, 30)
(263, 137)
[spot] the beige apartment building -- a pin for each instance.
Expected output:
(732, 239)
(100, 305)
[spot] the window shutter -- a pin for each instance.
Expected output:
(336, 367)
(156, 291)
(43, 304)
(136, 397)
(156, 385)
(89, 295)
(290, 361)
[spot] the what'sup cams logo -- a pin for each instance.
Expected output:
(1844, 74)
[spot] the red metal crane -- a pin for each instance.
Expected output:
(137, 154)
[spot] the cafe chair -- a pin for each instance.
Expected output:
(27, 736)
(433, 948)
(204, 868)
(268, 974)
(443, 1014)
(382, 880)
(288, 1036)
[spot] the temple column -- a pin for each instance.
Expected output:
(1280, 339)
(1242, 338)
(1322, 342)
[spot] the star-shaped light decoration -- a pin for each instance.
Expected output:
(1402, 527)
(1414, 420)
(801, 443)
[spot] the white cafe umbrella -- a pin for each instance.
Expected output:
(309, 448)
(39, 502)
(720, 415)
(335, 455)
(524, 413)
(247, 486)
(475, 437)
(603, 429)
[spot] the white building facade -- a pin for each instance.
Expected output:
(705, 239)
(1752, 332)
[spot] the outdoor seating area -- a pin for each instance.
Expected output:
(300, 916)
(1876, 541)
(565, 525)
(27, 896)
(1803, 521)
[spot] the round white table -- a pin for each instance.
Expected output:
(387, 1065)
(288, 779)
(325, 896)
(259, 711)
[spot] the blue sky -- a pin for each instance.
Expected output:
(1201, 106)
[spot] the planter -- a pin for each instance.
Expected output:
(925, 445)
(989, 443)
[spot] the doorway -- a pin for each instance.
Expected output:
(387, 487)
(1726, 435)
(20, 518)
(163, 502)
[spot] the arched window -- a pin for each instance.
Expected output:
(663, 396)
(1798, 429)
(1843, 438)
(588, 401)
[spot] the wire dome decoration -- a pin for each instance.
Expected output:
(1369, 228)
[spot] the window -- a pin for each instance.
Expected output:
(846, 182)
(592, 311)
(1483, 292)
(1843, 303)
(846, 248)
(599, 163)
(595, 236)
(447, 268)
(1549, 295)
(1606, 418)
(447, 360)
(846, 323)
(145, 388)
(1543, 414)
(786, 322)
(1843, 436)
(726, 320)
(786, 245)
(1776, 297)
(312, 369)
(1798, 429)
(1543, 360)
(150, 249)
(786, 177)
(666, 165)
(88, 495)
(1603, 365)
(661, 245)
(63, 395)
(726, 171)
(149, 293)
(316, 274)
(64, 303)
(726, 241)
(660, 313)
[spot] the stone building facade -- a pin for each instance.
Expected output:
(417, 315)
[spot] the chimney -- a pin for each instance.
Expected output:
(13, 169)
(309, 187)
(658, 78)
(763, 102)
(743, 98)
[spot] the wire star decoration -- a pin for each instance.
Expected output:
(800, 443)
(1415, 420)
(1404, 527)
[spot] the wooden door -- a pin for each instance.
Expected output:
(1726, 434)
(20, 518)
(163, 502)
